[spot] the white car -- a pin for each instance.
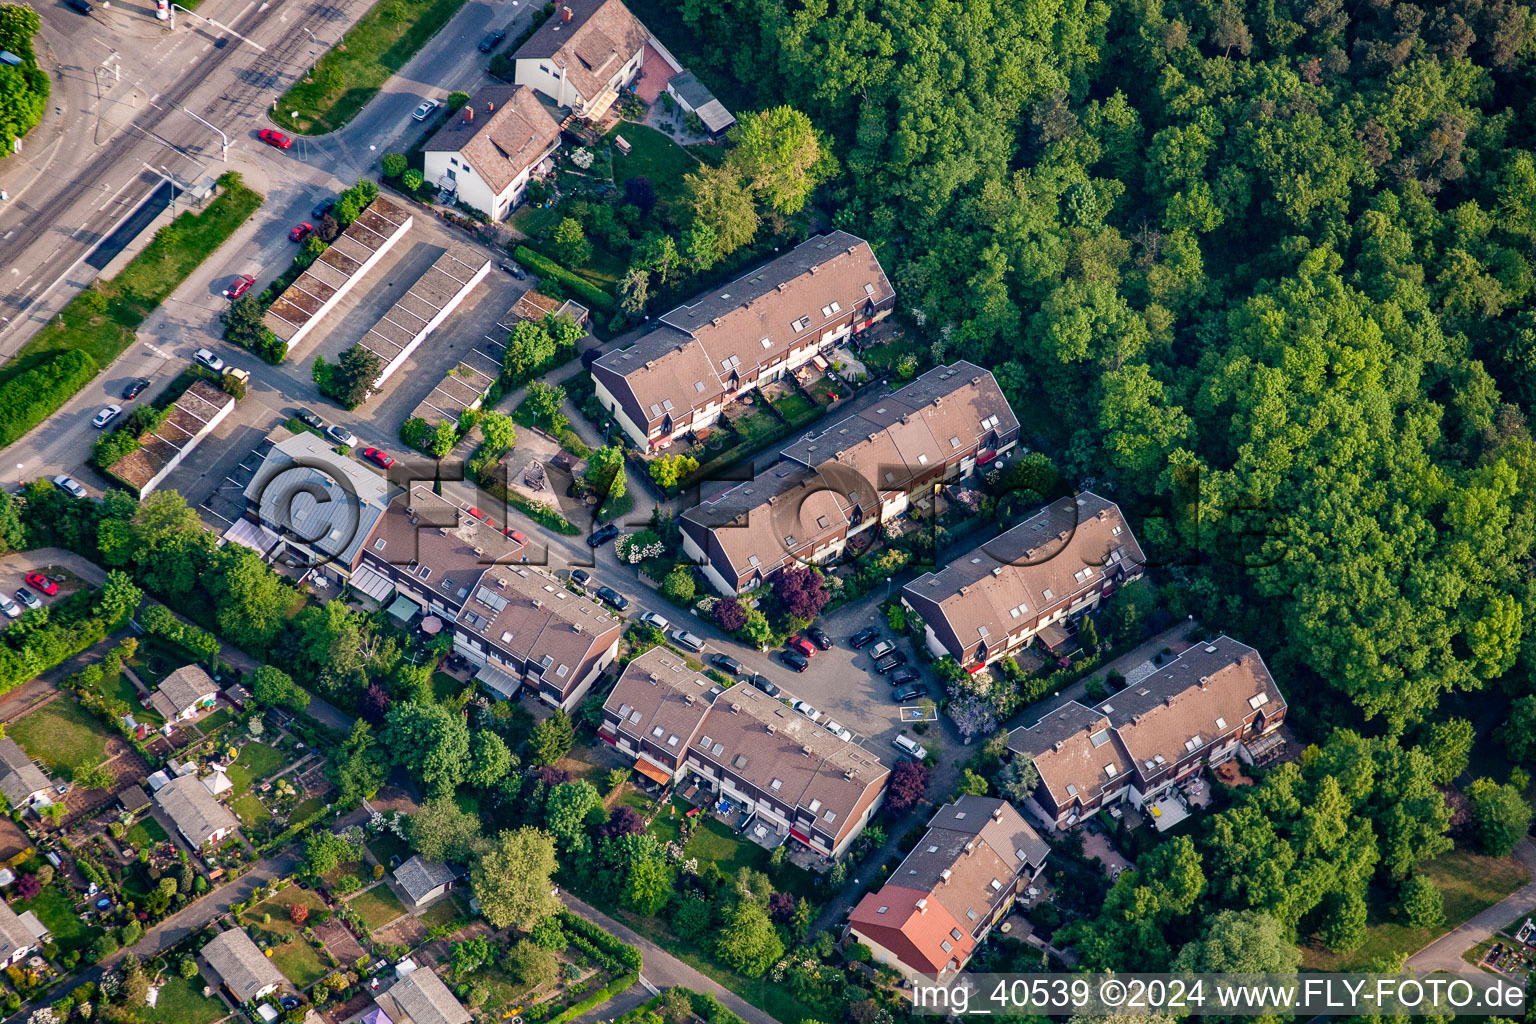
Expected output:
(10, 607)
(28, 598)
(106, 416)
(208, 359)
(838, 729)
(425, 110)
(341, 435)
(908, 745)
(652, 619)
(806, 710)
(69, 485)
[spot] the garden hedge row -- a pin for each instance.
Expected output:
(584, 289)
(31, 397)
(596, 999)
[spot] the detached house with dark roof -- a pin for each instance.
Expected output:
(196, 812)
(421, 998)
(487, 152)
(1202, 708)
(961, 878)
(678, 374)
(424, 880)
(583, 56)
(182, 694)
(22, 781)
(835, 482)
(242, 968)
(1034, 581)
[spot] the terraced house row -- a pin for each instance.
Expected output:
(678, 374)
(834, 483)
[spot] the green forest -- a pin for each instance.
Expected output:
(1260, 272)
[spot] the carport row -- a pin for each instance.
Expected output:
(227, 502)
(466, 384)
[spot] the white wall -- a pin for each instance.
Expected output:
(186, 449)
(612, 404)
(362, 271)
(432, 325)
(541, 75)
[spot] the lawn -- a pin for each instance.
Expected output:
(100, 322)
(214, 722)
(351, 72)
(795, 407)
(1470, 882)
(386, 846)
(652, 155)
(450, 912)
(445, 686)
(146, 832)
(356, 868)
(55, 910)
(256, 762)
(120, 687)
(377, 907)
(249, 809)
(299, 962)
(182, 1002)
(63, 735)
(278, 905)
(307, 809)
(666, 826)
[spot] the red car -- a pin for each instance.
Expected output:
(37, 581)
(378, 456)
(517, 535)
(242, 285)
(275, 139)
(802, 645)
(301, 232)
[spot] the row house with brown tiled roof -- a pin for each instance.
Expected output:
(583, 56)
(1198, 710)
(1034, 580)
(747, 748)
(677, 376)
(833, 483)
(961, 878)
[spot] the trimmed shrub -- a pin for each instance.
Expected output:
(583, 289)
(31, 397)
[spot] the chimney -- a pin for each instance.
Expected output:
(469, 114)
(1204, 681)
(944, 875)
(1103, 513)
(769, 726)
(997, 813)
(921, 904)
(970, 846)
(537, 603)
(1029, 552)
(1062, 535)
(566, 14)
(806, 750)
(735, 708)
(575, 627)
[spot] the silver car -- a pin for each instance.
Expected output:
(28, 598)
(106, 416)
(10, 607)
(341, 435)
(425, 110)
(207, 357)
(806, 710)
(69, 485)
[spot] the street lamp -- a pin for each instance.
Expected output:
(223, 139)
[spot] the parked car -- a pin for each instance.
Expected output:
(301, 231)
(801, 644)
(309, 419)
(881, 649)
(40, 582)
(612, 597)
(726, 663)
(908, 694)
(378, 457)
(908, 745)
(341, 435)
(513, 269)
(765, 684)
(275, 138)
(580, 577)
(653, 619)
(425, 109)
(517, 537)
(692, 641)
(838, 729)
(10, 607)
(28, 598)
(69, 485)
(240, 287)
(135, 388)
(794, 659)
(107, 415)
(806, 710)
(819, 638)
(492, 40)
(83, 6)
(602, 535)
(864, 637)
(889, 662)
(207, 357)
(902, 676)
(323, 207)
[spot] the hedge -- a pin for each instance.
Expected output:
(31, 397)
(584, 289)
(72, 626)
(596, 999)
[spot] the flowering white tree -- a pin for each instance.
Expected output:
(582, 157)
